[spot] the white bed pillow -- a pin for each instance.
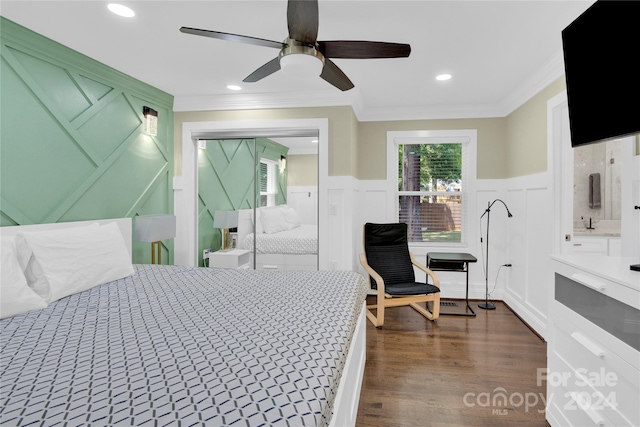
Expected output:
(75, 259)
(16, 297)
(36, 279)
(273, 220)
(291, 218)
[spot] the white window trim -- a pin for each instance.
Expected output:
(465, 136)
(272, 168)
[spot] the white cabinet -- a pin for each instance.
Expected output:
(593, 245)
(615, 247)
(234, 259)
(596, 245)
(593, 351)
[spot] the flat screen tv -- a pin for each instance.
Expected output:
(601, 51)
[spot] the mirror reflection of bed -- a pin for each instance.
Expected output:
(284, 237)
(264, 171)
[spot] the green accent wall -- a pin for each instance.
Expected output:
(226, 182)
(72, 145)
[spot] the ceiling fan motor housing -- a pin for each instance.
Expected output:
(300, 60)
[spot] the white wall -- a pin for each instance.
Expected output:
(529, 243)
(523, 241)
(304, 199)
(372, 206)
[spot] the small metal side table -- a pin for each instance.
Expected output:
(452, 261)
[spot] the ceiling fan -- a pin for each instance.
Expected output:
(302, 53)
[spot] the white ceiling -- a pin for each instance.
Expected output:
(499, 52)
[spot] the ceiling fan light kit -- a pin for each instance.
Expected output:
(300, 61)
(302, 55)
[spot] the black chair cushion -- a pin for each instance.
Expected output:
(387, 252)
(413, 288)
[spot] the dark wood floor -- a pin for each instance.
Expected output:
(452, 372)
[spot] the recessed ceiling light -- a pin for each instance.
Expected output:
(121, 10)
(233, 87)
(315, 141)
(443, 77)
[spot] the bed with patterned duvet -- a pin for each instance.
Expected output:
(172, 345)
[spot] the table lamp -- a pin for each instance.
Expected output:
(225, 220)
(154, 229)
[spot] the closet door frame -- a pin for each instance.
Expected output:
(186, 186)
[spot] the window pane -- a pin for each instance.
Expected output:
(430, 167)
(263, 177)
(435, 170)
(432, 218)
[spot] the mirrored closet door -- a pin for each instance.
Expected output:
(258, 202)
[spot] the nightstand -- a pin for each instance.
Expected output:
(233, 259)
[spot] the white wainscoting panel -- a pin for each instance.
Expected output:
(305, 201)
(525, 240)
(372, 206)
(340, 210)
(488, 191)
(529, 242)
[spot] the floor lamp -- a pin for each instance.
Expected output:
(486, 304)
(154, 229)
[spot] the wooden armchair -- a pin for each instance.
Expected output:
(389, 263)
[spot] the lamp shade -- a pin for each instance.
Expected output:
(153, 228)
(225, 219)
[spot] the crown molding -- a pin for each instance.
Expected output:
(543, 77)
(539, 80)
(261, 101)
(429, 113)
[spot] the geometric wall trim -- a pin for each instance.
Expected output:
(72, 145)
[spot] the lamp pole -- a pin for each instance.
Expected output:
(486, 304)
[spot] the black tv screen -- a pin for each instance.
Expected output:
(601, 52)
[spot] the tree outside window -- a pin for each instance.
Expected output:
(430, 188)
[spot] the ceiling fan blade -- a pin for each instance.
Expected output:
(334, 75)
(233, 37)
(363, 49)
(302, 20)
(264, 71)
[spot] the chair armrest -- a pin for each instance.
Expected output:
(372, 273)
(434, 276)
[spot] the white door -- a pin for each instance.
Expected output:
(630, 195)
(563, 185)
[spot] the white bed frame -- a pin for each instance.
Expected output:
(273, 261)
(345, 407)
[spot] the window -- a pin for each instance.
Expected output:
(267, 182)
(431, 185)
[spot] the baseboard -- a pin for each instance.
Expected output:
(524, 321)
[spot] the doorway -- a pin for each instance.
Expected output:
(560, 160)
(186, 187)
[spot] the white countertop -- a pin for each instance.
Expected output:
(596, 233)
(611, 268)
